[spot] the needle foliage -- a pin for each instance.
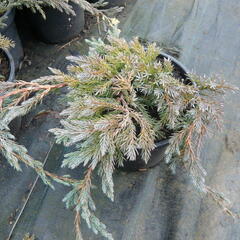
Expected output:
(122, 99)
(5, 43)
(38, 5)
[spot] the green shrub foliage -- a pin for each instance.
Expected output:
(122, 99)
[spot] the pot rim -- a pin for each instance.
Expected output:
(6, 14)
(173, 59)
(162, 143)
(9, 18)
(165, 142)
(11, 77)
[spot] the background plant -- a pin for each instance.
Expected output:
(121, 100)
(35, 5)
(61, 5)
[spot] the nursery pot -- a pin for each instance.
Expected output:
(9, 64)
(58, 27)
(11, 32)
(158, 154)
(15, 125)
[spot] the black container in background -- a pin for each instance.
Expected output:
(58, 27)
(11, 77)
(15, 124)
(11, 32)
(92, 1)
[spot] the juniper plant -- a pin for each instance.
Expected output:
(112, 94)
(61, 5)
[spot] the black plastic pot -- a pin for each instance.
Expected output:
(11, 32)
(9, 56)
(15, 125)
(58, 27)
(158, 153)
(178, 66)
(92, 1)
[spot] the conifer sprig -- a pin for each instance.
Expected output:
(5, 43)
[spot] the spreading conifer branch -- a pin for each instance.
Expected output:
(122, 100)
